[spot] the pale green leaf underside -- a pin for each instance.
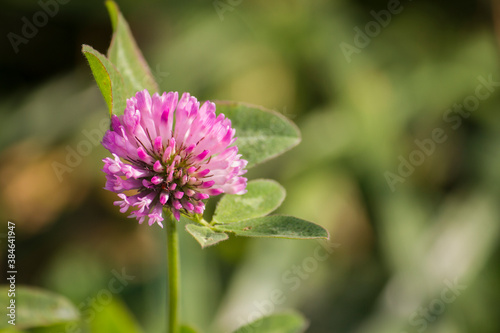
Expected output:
(206, 236)
(277, 323)
(275, 226)
(36, 307)
(263, 197)
(126, 55)
(262, 134)
(108, 79)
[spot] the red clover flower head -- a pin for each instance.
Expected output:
(170, 153)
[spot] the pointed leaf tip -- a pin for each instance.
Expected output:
(124, 53)
(113, 12)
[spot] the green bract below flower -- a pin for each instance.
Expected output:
(172, 154)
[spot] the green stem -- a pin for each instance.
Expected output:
(205, 223)
(173, 274)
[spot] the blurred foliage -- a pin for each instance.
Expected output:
(393, 255)
(34, 307)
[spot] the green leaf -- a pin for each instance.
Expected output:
(126, 55)
(36, 307)
(108, 79)
(187, 329)
(263, 197)
(114, 318)
(206, 236)
(289, 322)
(276, 226)
(262, 134)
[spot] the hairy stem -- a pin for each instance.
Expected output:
(173, 274)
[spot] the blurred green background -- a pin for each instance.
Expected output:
(420, 255)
